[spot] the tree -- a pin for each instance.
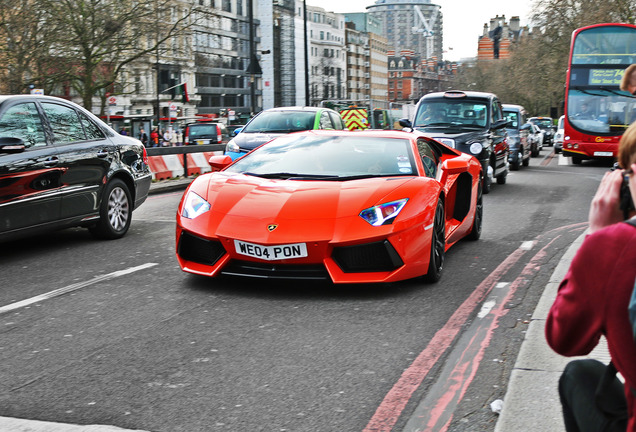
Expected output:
(89, 42)
(534, 75)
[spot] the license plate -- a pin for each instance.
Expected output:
(200, 142)
(271, 253)
(603, 154)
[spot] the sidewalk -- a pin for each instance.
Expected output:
(532, 399)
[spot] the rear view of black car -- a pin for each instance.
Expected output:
(471, 122)
(60, 166)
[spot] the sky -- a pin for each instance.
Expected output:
(463, 19)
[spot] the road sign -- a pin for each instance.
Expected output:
(112, 100)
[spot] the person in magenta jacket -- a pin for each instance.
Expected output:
(592, 301)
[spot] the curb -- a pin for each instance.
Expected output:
(532, 400)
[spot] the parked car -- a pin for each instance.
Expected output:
(275, 122)
(535, 137)
(205, 133)
(559, 134)
(345, 206)
(61, 166)
(546, 124)
(517, 130)
(471, 122)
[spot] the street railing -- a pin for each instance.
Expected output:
(184, 150)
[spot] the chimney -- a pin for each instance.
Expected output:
(515, 24)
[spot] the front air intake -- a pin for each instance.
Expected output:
(199, 250)
(371, 257)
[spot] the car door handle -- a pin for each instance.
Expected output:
(52, 161)
(102, 154)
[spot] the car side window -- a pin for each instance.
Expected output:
(337, 121)
(93, 132)
(64, 122)
(23, 121)
(496, 111)
(429, 158)
(325, 121)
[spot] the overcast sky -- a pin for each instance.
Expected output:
(463, 19)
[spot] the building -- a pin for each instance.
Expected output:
(367, 70)
(415, 25)
(498, 37)
(411, 77)
(282, 52)
(327, 55)
(221, 54)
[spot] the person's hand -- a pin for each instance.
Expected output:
(605, 209)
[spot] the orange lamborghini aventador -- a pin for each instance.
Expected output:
(349, 207)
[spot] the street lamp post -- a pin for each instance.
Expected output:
(306, 54)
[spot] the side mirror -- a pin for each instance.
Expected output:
(220, 162)
(405, 123)
(525, 126)
(500, 124)
(11, 145)
(237, 131)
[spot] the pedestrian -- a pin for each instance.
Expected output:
(628, 83)
(143, 137)
(592, 302)
(167, 137)
(154, 138)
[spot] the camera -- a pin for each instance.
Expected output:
(626, 203)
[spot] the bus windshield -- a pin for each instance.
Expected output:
(595, 104)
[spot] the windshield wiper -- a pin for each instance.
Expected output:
(292, 176)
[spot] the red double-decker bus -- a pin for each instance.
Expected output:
(597, 112)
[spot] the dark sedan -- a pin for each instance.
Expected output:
(60, 166)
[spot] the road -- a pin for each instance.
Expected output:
(113, 333)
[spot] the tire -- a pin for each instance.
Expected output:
(115, 212)
(501, 178)
(517, 163)
(526, 161)
(438, 246)
(487, 184)
(475, 232)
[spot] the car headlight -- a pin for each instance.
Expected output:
(476, 148)
(447, 141)
(383, 214)
(194, 206)
(232, 147)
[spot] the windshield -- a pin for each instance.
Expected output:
(445, 112)
(328, 157)
(542, 123)
(202, 130)
(513, 119)
(281, 122)
(600, 112)
(605, 45)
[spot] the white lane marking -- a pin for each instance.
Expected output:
(74, 287)
(526, 245)
(486, 308)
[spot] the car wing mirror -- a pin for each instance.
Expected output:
(405, 123)
(237, 131)
(11, 145)
(220, 161)
(500, 124)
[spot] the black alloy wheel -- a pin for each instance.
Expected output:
(438, 246)
(115, 212)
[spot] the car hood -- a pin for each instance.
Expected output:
(249, 141)
(244, 206)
